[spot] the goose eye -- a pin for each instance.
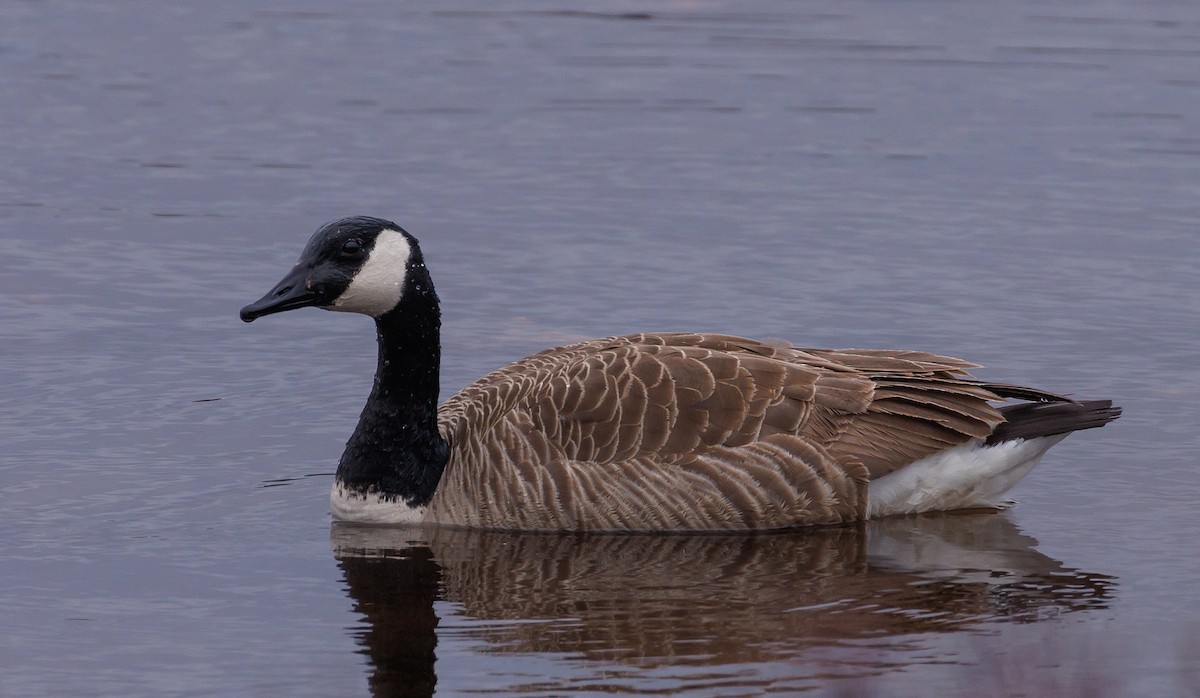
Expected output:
(351, 247)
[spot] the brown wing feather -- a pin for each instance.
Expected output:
(690, 431)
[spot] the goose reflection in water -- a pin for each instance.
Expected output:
(699, 601)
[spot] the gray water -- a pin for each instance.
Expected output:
(1016, 183)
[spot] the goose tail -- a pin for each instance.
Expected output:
(1033, 419)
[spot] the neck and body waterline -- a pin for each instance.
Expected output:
(395, 458)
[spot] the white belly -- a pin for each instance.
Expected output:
(967, 476)
(371, 508)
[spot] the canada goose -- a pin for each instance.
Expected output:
(655, 432)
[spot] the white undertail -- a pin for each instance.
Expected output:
(967, 476)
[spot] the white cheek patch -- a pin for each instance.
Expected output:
(377, 286)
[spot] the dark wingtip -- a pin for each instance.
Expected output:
(1033, 419)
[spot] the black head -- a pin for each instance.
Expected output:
(358, 265)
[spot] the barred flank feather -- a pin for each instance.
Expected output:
(710, 432)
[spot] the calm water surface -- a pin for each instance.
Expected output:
(1016, 183)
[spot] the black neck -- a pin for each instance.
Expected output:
(396, 450)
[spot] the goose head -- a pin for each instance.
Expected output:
(356, 265)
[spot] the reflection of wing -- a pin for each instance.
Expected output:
(725, 599)
(988, 556)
